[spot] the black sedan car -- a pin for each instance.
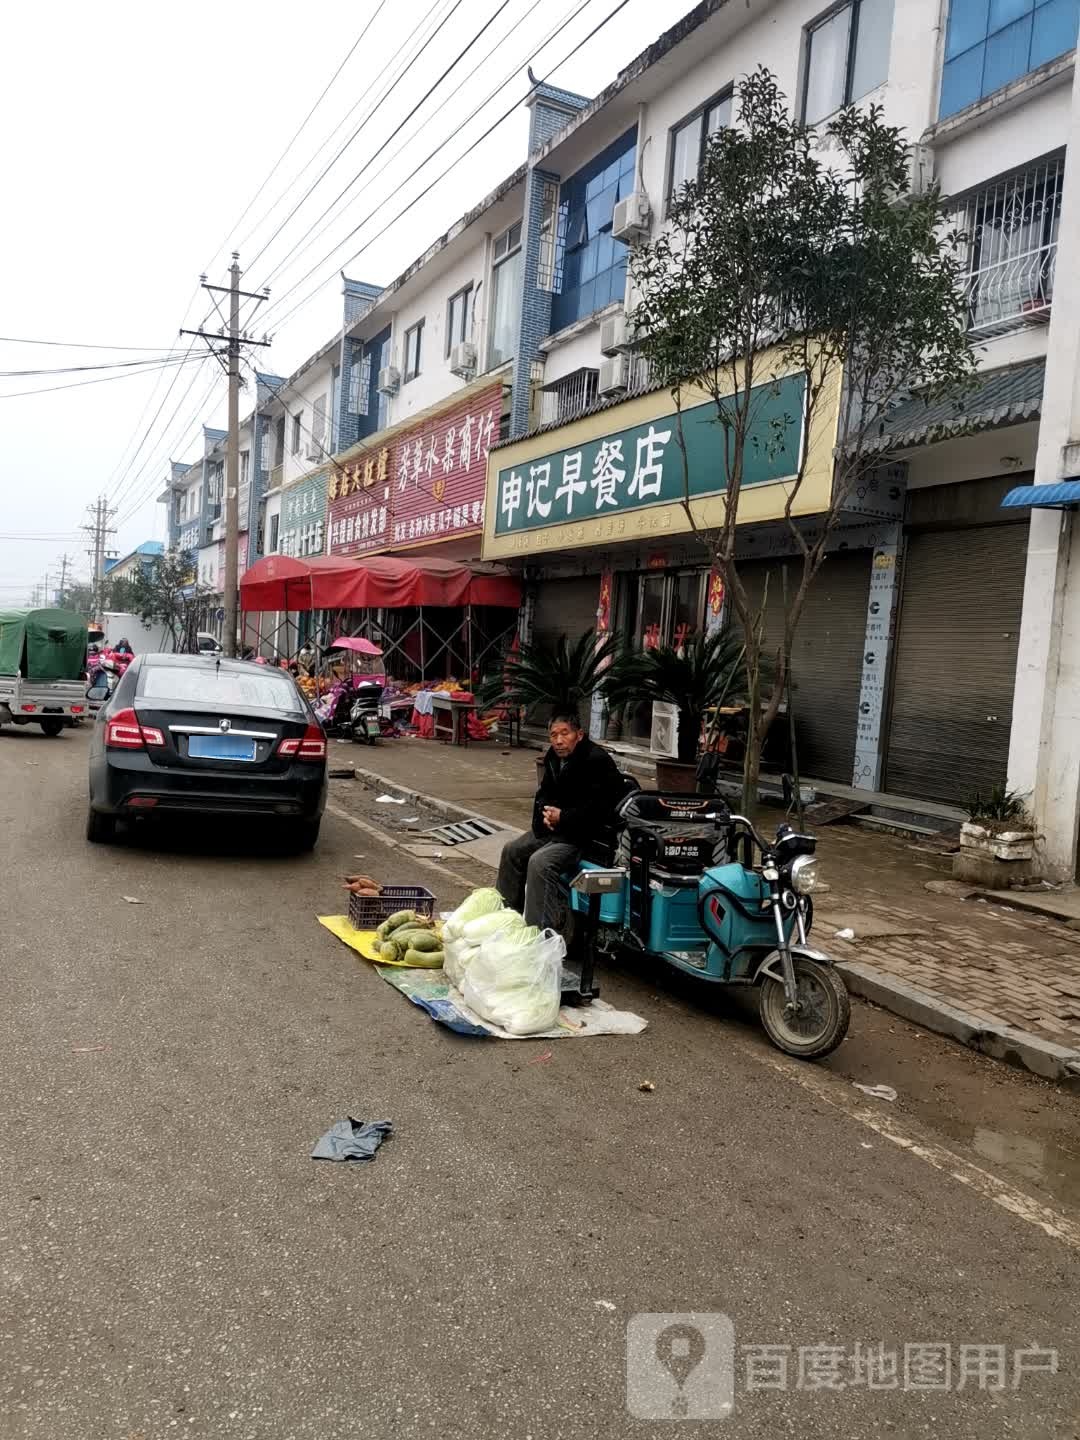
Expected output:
(193, 734)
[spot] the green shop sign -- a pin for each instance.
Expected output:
(643, 465)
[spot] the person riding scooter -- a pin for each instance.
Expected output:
(574, 804)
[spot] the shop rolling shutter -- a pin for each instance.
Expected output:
(565, 607)
(826, 658)
(956, 661)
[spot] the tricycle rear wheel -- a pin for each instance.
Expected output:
(823, 1020)
(52, 725)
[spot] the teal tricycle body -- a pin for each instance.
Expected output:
(695, 887)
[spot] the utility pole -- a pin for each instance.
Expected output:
(65, 561)
(98, 529)
(232, 451)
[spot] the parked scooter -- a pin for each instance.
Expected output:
(681, 885)
(364, 711)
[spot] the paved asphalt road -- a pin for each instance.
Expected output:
(173, 1263)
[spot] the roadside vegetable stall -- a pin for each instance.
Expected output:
(434, 620)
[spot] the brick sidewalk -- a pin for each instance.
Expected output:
(1004, 968)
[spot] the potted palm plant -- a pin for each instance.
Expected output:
(703, 673)
(544, 679)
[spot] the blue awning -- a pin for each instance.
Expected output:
(1043, 497)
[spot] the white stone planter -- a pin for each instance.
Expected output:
(1001, 844)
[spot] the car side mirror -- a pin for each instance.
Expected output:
(98, 692)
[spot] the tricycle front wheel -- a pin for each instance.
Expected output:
(823, 1016)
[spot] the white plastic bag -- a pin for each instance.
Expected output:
(517, 987)
(458, 955)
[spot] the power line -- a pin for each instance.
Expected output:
(77, 344)
(325, 171)
(121, 482)
(78, 369)
(552, 34)
(346, 117)
(100, 380)
(187, 431)
(124, 496)
(303, 125)
(396, 132)
(279, 322)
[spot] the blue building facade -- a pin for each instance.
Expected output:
(991, 43)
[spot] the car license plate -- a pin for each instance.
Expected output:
(220, 747)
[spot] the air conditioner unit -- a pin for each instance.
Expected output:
(463, 360)
(614, 376)
(631, 217)
(313, 452)
(664, 735)
(389, 380)
(614, 336)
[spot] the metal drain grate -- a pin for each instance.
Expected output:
(461, 832)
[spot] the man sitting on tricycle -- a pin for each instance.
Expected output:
(575, 804)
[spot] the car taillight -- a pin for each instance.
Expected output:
(312, 746)
(124, 732)
(76, 709)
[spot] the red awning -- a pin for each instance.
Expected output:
(332, 582)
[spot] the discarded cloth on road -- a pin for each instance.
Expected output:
(352, 1139)
(431, 991)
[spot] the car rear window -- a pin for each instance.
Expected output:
(258, 690)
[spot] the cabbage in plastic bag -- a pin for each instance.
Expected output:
(458, 955)
(516, 985)
(480, 902)
(484, 926)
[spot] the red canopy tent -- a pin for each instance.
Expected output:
(375, 582)
(332, 584)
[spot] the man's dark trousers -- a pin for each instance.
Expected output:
(528, 866)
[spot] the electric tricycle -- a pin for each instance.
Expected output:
(691, 885)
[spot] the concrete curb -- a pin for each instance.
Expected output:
(371, 780)
(1018, 900)
(1001, 1042)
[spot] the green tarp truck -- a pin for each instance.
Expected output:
(42, 668)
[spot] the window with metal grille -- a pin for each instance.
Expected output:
(568, 396)
(1012, 230)
(548, 269)
(360, 386)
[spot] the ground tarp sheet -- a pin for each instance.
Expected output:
(432, 992)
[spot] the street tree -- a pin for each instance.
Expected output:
(806, 252)
(165, 592)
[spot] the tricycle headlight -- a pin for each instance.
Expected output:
(804, 874)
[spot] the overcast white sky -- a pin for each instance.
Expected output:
(134, 137)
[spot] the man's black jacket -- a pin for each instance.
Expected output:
(586, 789)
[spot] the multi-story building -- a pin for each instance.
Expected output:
(141, 559)
(506, 336)
(906, 656)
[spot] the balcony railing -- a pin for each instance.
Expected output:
(1012, 238)
(571, 395)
